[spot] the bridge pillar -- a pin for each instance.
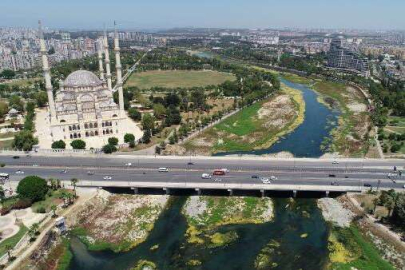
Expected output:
(230, 192)
(135, 190)
(294, 193)
(198, 191)
(263, 192)
(167, 191)
(327, 193)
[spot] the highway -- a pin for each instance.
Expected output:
(311, 172)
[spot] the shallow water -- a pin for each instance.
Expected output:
(287, 228)
(306, 140)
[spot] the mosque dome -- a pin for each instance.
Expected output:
(82, 78)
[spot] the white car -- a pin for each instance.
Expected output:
(217, 180)
(273, 178)
(265, 180)
(206, 176)
(335, 162)
(107, 177)
(129, 164)
(19, 172)
(392, 175)
(162, 169)
(225, 170)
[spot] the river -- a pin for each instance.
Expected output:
(298, 229)
(308, 139)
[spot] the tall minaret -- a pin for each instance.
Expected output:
(119, 70)
(47, 74)
(107, 61)
(100, 58)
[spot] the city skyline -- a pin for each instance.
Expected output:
(374, 14)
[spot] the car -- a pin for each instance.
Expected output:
(206, 176)
(218, 172)
(217, 180)
(16, 157)
(335, 162)
(90, 173)
(35, 165)
(346, 176)
(404, 186)
(163, 169)
(367, 185)
(107, 177)
(63, 171)
(19, 172)
(392, 175)
(265, 180)
(273, 178)
(255, 176)
(129, 164)
(225, 170)
(190, 163)
(334, 183)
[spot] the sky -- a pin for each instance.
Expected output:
(144, 14)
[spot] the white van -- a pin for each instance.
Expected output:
(163, 169)
(206, 176)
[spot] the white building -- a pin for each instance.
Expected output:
(84, 107)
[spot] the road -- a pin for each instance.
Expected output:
(144, 169)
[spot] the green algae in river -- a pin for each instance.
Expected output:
(175, 253)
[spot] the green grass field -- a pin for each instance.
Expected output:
(13, 240)
(177, 78)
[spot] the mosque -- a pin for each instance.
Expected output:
(83, 107)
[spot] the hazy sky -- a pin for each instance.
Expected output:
(365, 14)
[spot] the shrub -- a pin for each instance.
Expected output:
(59, 145)
(128, 138)
(33, 188)
(78, 144)
(134, 114)
(109, 148)
(41, 210)
(113, 141)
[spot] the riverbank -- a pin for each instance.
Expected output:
(255, 127)
(351, 244)
(351, 136)
(116, 222)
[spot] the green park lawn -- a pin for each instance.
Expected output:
(178, 78)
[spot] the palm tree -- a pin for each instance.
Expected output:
(64, 196)
(73, 182)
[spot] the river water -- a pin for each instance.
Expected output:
(298, 229)
(308, 139)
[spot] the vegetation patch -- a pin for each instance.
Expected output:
(350, 249)
(255, 127)
(223, 239)
(264, 259)
(117, 222)
(145, 265)
(178, 79)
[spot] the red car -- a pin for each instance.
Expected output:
(219, 172)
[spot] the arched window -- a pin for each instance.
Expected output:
(114, 115)
(96, 133)
(86, 126)
(70, 128)
(62, 121)
(75, 135)
(79, 135)
(78, 127)
(71, 136)
(92, 134)
(111, 131)
(87, 134)
(74, 127)
(91, 125)
(102, 124)
(95, 125)
(103, 132)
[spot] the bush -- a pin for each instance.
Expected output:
(59, 145)
(41, 210)
(20, 204)
(33, 188)
(128, 138)
(113, 141)
(134, 114)
(78, 144)
(24, 140)
(109, 148)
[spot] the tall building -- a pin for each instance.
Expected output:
(84, 107)
(346, 59)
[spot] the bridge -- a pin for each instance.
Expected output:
(184, 173)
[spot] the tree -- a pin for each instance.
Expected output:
(59, 145)
(129, 138)
(78, 144)
(24, 140)
(159, 110)
(3, 109)
(15, 102)
(2, 194)
(54, 208)
(33, 188)
(33, 230)
(9, 249)
(146, 136)
(134, 114)
(74, 182)
(8, 74)
(109, 148)
(148, 122)
(113, 141)
(400, 209)
(41, 99)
